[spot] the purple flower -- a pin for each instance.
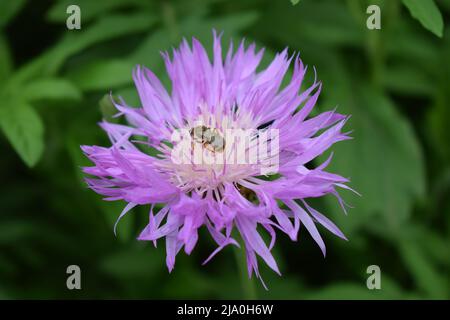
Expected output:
(208, 100)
